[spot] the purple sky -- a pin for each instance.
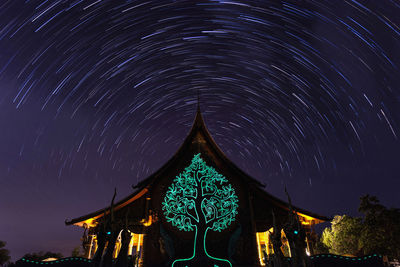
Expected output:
(99, 94)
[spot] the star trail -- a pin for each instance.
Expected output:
(99, 94)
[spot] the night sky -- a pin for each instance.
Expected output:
(98, 94)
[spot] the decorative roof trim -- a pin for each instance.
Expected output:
(198, 126)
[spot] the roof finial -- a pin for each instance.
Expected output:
(198, 100)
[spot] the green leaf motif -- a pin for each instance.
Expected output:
(199, 182)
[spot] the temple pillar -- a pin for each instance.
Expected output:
(91, 248)
(100, 244)
(130, 247)
(122, 259)
(260, 252)
(108, 255)
(117, 247)
(139, 249)
(95, 246)
(276, 240)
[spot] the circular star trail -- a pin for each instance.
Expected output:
(96, 94)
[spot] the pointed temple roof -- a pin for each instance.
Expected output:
(198, 139)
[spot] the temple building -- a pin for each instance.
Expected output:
(198, 209)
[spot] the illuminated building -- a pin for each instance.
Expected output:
(198, 207)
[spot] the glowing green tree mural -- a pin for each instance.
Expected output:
(200, 199)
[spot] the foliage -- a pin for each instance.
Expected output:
(4, 253)
(343, 236)
(378, 231)
(381, 228)
(39, 256)
(320, 247)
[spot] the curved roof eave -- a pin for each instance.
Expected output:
(142, 187)
(105, 211)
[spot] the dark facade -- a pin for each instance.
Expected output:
(143, 212)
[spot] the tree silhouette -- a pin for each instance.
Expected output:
(4, 253)
(200, 199)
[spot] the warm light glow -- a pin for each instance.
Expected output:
(147, 222)
(92, 222)
(50, 259)
(260, 254)
(136, 241)
(259, 237)
(264, 245)
(308, 220)
(92, 237)
(307, 252)
(118, 244)
(130, 247)
(139, 243)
